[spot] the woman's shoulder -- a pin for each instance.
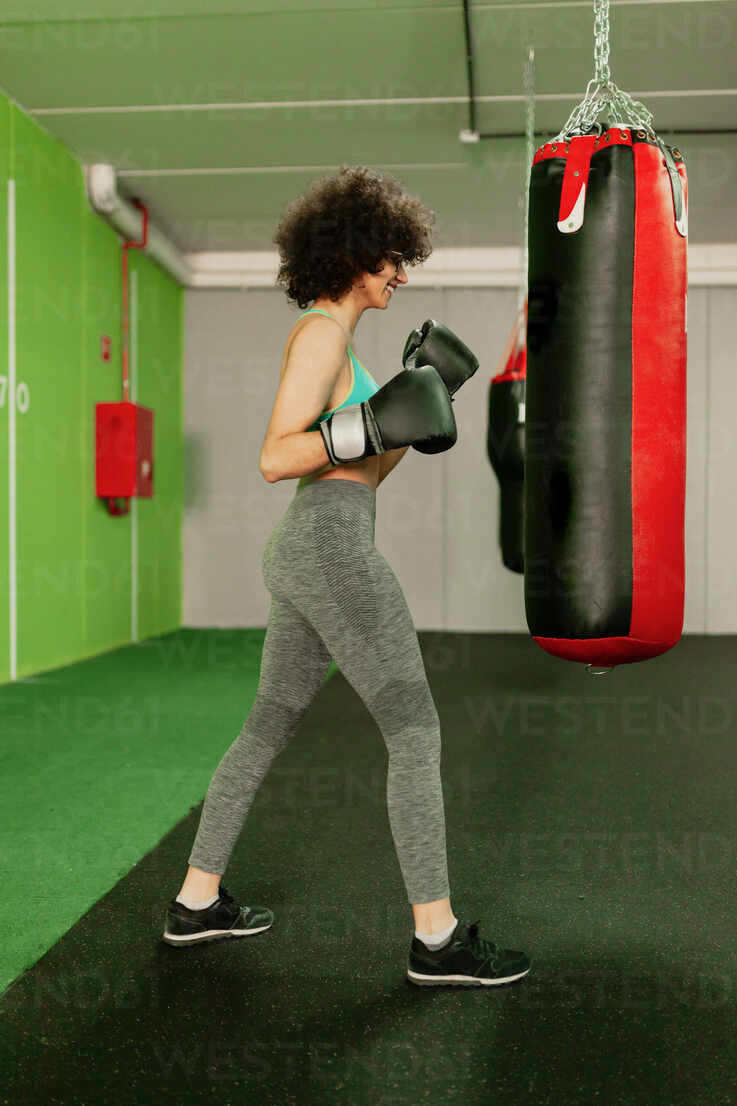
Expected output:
(317, 324)
(328, 339)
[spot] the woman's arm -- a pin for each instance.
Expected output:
(313, 366)
(390, 460)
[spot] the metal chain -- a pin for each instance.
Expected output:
(529, 83)
(601, 41)
(604, 95)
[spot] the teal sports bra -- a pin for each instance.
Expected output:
(364, 385)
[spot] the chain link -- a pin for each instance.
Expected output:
(601, 41)
(602, 93)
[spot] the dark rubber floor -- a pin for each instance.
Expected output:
(589, 822)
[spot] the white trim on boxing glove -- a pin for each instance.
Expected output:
(351, 434)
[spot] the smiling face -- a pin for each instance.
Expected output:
(379, 287)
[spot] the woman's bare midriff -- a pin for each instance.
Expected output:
(363, 472)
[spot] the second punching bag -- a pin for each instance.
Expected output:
(505, 444)
(605, 443)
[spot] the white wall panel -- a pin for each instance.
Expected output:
(697, 390)
(721, 490)
(437, 517)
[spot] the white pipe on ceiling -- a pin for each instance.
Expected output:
(103, 195)
(447, 267)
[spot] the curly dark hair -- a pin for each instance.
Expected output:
(344, 225)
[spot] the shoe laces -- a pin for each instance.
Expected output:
(229, 899)
(482, 948)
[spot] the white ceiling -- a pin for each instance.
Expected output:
(217, 117)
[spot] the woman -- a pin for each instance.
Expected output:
(344, 246)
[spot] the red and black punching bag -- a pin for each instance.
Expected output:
(505, 444)
(605, 436)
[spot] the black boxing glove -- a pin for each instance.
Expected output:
(436, 345)
(411, 407)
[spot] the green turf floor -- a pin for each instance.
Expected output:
(100, 759)
(589, 822)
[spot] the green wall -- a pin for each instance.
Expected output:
(74, 560)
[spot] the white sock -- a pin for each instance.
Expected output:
(435, 941)
(196, 905)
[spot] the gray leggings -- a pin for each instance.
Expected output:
(333, 594)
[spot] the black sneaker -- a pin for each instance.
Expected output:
(468, 960)
(223, 919)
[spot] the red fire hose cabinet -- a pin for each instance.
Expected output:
(124, 438)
